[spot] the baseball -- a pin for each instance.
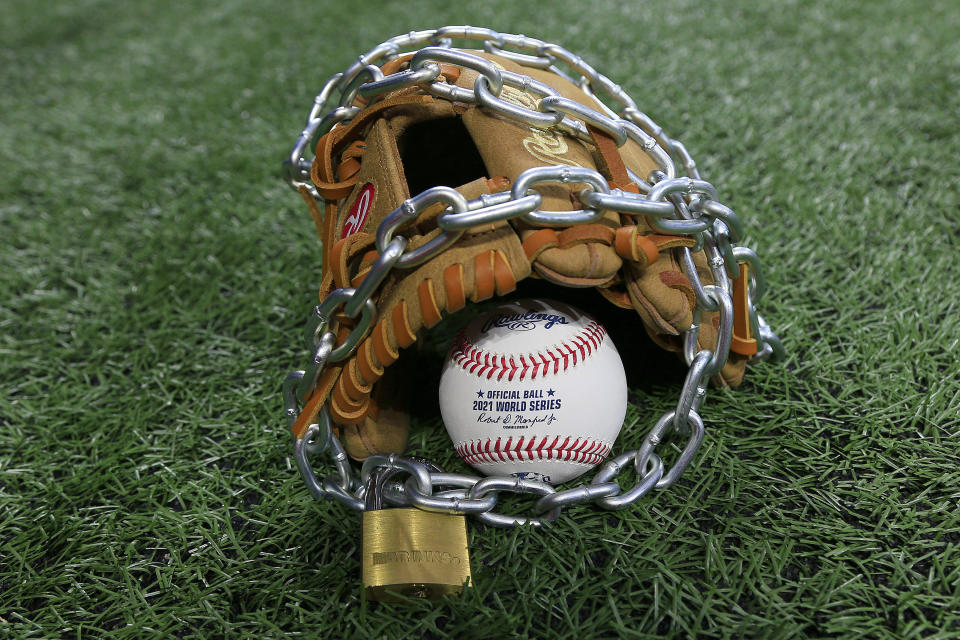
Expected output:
(534, 389)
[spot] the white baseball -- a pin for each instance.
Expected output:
(535, 389)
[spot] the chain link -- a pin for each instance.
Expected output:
(675, 205)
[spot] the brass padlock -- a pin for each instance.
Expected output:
(408, 552)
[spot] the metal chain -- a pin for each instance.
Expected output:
(675, 205)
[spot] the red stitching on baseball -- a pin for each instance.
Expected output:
(476, 361)
(584, 451)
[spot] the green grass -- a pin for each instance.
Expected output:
(155, 274)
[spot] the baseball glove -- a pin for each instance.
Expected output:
(447, 176)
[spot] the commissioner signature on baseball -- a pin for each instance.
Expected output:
(523, 321)
(516, 421)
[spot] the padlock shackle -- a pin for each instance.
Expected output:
(373, 497)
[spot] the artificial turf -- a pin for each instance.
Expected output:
(156, 272)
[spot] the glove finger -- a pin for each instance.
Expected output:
(731, 374)
(386, 425)
(662, 295)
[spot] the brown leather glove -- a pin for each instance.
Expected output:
(407, 140)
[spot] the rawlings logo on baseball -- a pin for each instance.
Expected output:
(523, 322)
(535, 389)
